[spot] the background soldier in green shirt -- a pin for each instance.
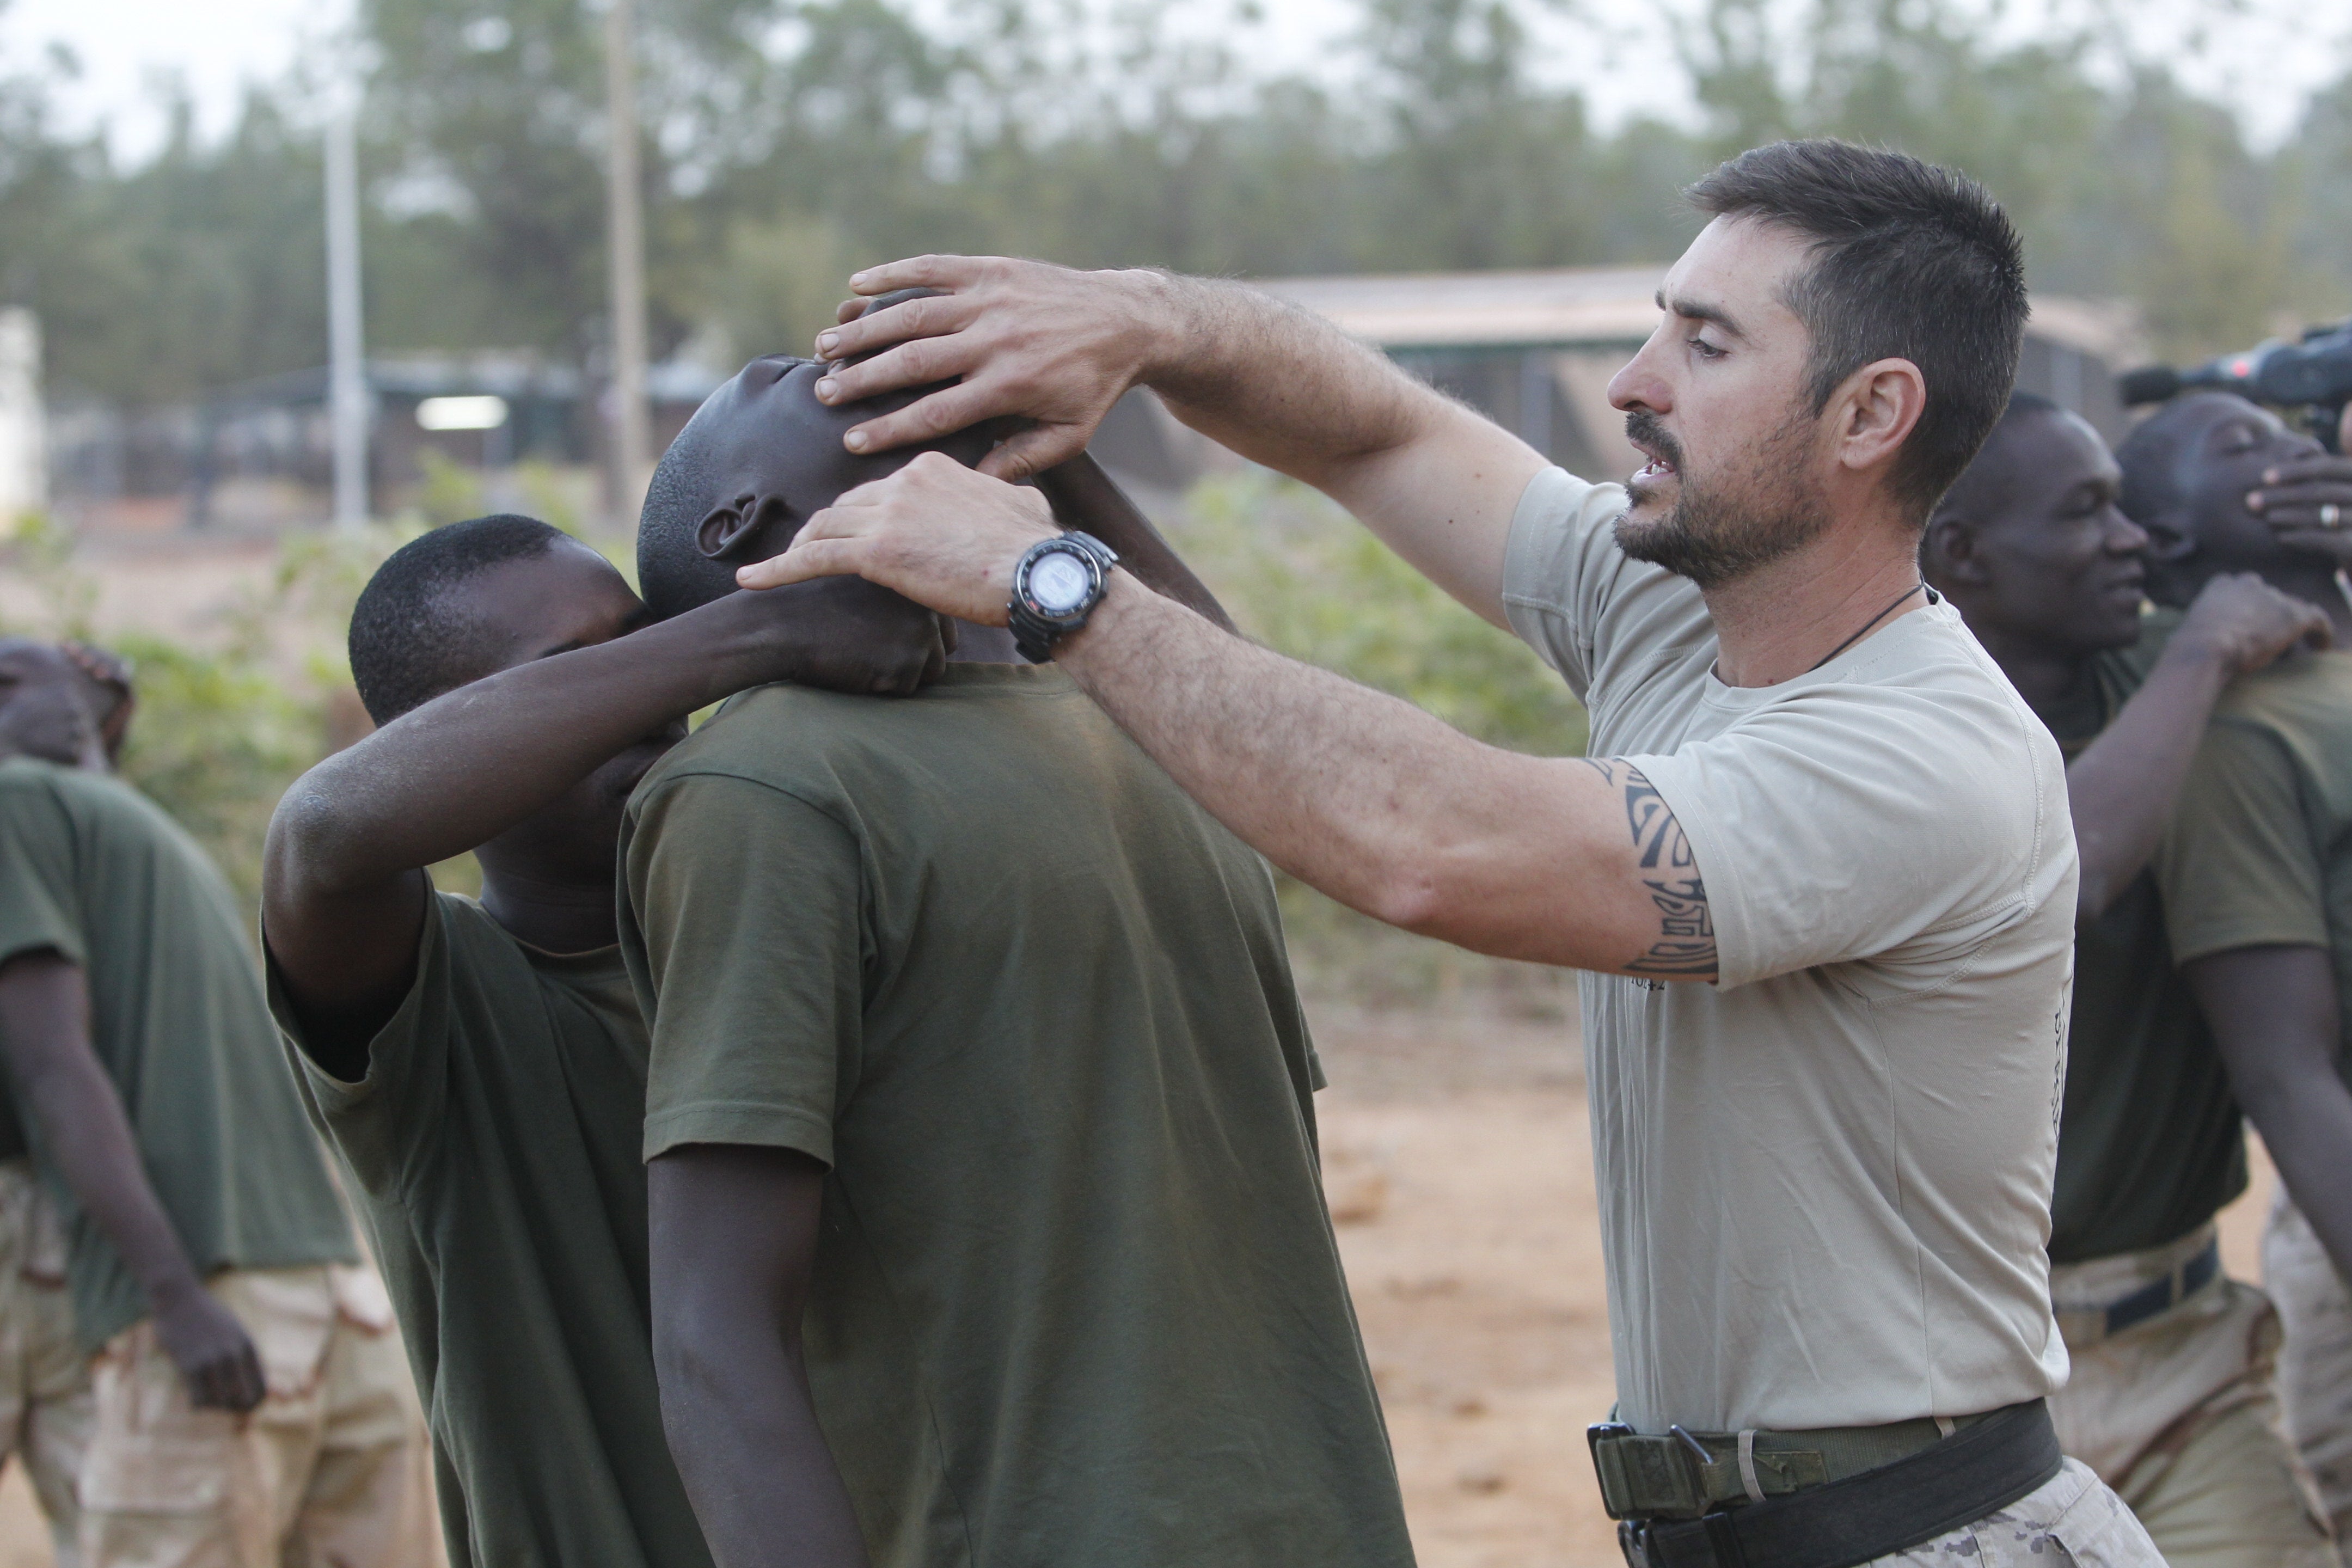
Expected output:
(2256, 869)
(2171, 1395)
(250, 1402)
(986, 1220)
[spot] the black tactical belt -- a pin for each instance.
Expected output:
(1985, 1466)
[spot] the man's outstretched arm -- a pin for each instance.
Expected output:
(1363, 796)
(343, 888)
(734, 1232)
(2124, 785)
(71, 1102)
(1277, 383)
(2273, 1013)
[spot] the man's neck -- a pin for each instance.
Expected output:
(550, 914)
(1784, 618)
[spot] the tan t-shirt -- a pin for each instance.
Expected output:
(1825, 1180)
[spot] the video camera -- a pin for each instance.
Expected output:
(2313, 378)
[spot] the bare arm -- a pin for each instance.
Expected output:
(734, 1233)
(2124, 786)
(2273, 1013)
(343, 891)
(1283, 387)
(1357, 793)
(64, 1089)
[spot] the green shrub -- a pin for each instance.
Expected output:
(1302, 577)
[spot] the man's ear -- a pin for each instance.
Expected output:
(2168, 538)
(724, 530)
(1877, 410)
(1947, 555)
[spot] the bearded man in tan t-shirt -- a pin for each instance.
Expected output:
(1818, 867)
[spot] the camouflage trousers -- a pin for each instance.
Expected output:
(2179, 1413)
(331, 1470)
(2072, 1522)
(45, 1407)
(2315, 1364)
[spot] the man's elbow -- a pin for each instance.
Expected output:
(310, 846)
(1409, 896)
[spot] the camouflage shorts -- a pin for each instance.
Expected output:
(331, 1468)
(2315, 1375)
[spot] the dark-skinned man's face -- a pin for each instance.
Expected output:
(44, 710)
(567, 597)
(2031, 545)
(2221, 447)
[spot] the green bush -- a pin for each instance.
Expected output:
(1299, 576)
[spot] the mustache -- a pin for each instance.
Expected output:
(1643, 430)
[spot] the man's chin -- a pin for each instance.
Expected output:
(1649, 498)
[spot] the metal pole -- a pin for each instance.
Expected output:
(630, 432)
(347, 389)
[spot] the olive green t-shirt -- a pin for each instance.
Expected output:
(2150, 1142)
(493, 1146)
(2260, 850)
(93, 869)
(1077, 1299)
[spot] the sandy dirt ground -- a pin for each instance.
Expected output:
(1459, 1169)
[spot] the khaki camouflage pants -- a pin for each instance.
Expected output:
(44, 1399)
(2315, 1365)
(2073, 1512)
(331, 1470)
(2179, 1415)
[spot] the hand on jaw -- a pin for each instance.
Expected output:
(2307, 501)
(943, 535)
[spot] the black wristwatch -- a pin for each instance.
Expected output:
(1055, 587)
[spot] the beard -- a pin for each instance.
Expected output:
(1759, 505)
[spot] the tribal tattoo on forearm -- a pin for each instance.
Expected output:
(1685, 944)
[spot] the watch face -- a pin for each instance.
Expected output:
(1058, 582)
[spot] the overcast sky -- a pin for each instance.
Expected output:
(2263, 64)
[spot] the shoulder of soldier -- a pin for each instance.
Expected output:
(2303, 695)
(779, 735)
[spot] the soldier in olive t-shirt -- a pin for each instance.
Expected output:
(91, 869)
(1076, 1298)
(493, 1143)
(2151, 1145)
(2259, 857)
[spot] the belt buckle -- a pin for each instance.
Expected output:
(1632, 1540)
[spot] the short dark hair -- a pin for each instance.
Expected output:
(2150, 457)
(1968, 490)
(406, 645)
(672, 572)
(1909, 262)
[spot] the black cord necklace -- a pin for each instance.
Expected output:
(1860, 631)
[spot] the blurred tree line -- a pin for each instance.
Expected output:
(789, 141)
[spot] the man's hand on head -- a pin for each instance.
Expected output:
(2295, 498)
(2244, 624)
(943, 535)
(1046, 344)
